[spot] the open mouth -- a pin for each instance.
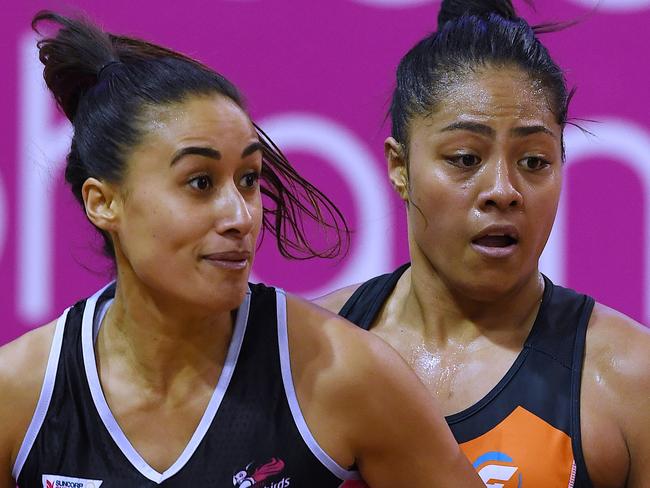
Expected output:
(496, 240)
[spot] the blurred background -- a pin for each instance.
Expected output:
(318, 76)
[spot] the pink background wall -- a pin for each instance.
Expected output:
(318, 76)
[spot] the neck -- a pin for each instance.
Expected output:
(445, 312)
(157, 341)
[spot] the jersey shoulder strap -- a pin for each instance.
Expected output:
(363, 306)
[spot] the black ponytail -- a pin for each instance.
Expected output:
(452, 10)
(73, 59)
(106, 84)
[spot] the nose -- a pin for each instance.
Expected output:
(499, 187)
(233, 216)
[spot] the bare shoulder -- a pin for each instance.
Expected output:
(341, 364)
(331, 367)
(618, 347)
(334, 301)
(22, 368)
(617, 363)
(23, 361)
(335, 344)
(365, 406)
(616, 399)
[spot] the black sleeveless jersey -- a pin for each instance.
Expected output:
(252, 433)
(526, 430)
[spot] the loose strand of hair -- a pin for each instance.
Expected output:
(296, 198)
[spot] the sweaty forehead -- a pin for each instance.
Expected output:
(209, 108)
(495, 92)
(211, 117)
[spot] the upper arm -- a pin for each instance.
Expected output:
(619, 364)
(334, 301)
(400, 432)
(22, 368)
(633, 379)
(364, 405)
(637, 426)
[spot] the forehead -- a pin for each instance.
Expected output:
(208, 119)
(492, 94)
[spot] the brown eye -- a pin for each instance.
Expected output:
(201, 183)
(464, 160)
(533, 163)
(249, 180)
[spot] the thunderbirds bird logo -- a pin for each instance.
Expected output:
(252, 476)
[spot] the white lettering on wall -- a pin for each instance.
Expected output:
(3, 218)
(626, 143)
(394, 3)
(42, 149)
(600, 5)
(372, 248)
(614, 5)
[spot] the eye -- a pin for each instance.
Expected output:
(249, 180)
(464, 160)
(201, 183)
(533, 163)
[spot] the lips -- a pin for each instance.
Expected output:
(228, 256)
(496, 241)
(232, 260)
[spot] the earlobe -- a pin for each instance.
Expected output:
(397, 171)
(100, 203)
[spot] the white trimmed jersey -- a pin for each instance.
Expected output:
(252, 433)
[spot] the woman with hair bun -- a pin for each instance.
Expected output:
(541, 386)
(181, 373)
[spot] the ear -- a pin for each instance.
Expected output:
(397, 170)
(101, 203)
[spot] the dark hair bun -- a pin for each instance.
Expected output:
(454, 9)
(72, 58)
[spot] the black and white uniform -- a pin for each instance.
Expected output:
(526, 431)
(251, 434)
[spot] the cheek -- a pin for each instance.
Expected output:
(435, 211)
(546, 200)
(256, 211)
(437, 198)
(151, 220)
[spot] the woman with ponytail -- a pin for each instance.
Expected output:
(540, 385)
(180, 373)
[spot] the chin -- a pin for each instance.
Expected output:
(212, 296)
(492, 285)
(229, 296)
(485, 286)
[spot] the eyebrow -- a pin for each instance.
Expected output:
(488, 131)
(207, 152)
(530, 130)
(471, 127)
(255, 146)
(211, 153)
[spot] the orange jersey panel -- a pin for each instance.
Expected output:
(522, 451)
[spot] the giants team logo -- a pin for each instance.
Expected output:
(497, 470)
(252, 476)
(55, 481)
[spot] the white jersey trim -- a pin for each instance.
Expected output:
(292, 398)
(45, 397)
(90, 366)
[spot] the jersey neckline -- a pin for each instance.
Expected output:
(517, 363)
(104, 412)
(514, 367)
